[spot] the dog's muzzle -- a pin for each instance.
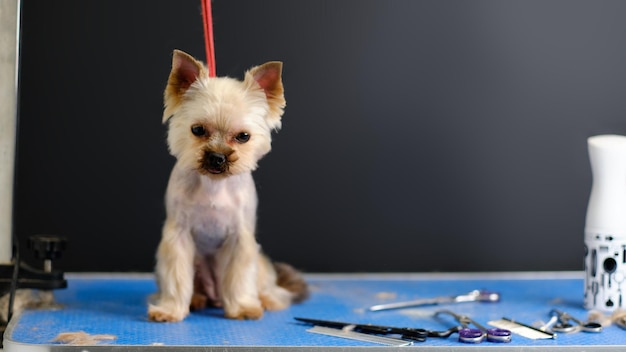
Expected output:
(215, 163)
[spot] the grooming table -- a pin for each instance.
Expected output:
(116, 305)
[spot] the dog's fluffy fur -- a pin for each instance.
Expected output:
(218, 129)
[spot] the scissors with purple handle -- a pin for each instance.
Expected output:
(467, 334)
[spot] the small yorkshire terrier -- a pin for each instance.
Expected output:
(219, 128)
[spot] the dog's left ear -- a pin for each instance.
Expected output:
(185, 71)
(269, 77)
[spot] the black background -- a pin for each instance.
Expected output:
(418, 135)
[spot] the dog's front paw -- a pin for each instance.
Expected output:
(244, 312)
(166, 314)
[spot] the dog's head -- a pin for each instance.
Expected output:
(221, 126)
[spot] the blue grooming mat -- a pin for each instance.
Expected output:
(116, 305)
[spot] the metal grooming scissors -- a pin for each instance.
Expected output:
(478, 334)
(472, 296)
(406, 333)
(562, 323)
(413, 334)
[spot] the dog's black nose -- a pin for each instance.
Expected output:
(213, 162)
(217, 160)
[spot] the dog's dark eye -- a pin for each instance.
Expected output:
(198, 130)
(242, 137)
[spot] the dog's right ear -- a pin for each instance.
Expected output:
(185, 71)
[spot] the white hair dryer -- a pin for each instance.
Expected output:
(605, 227)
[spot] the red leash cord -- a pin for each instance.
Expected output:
(207, 21)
